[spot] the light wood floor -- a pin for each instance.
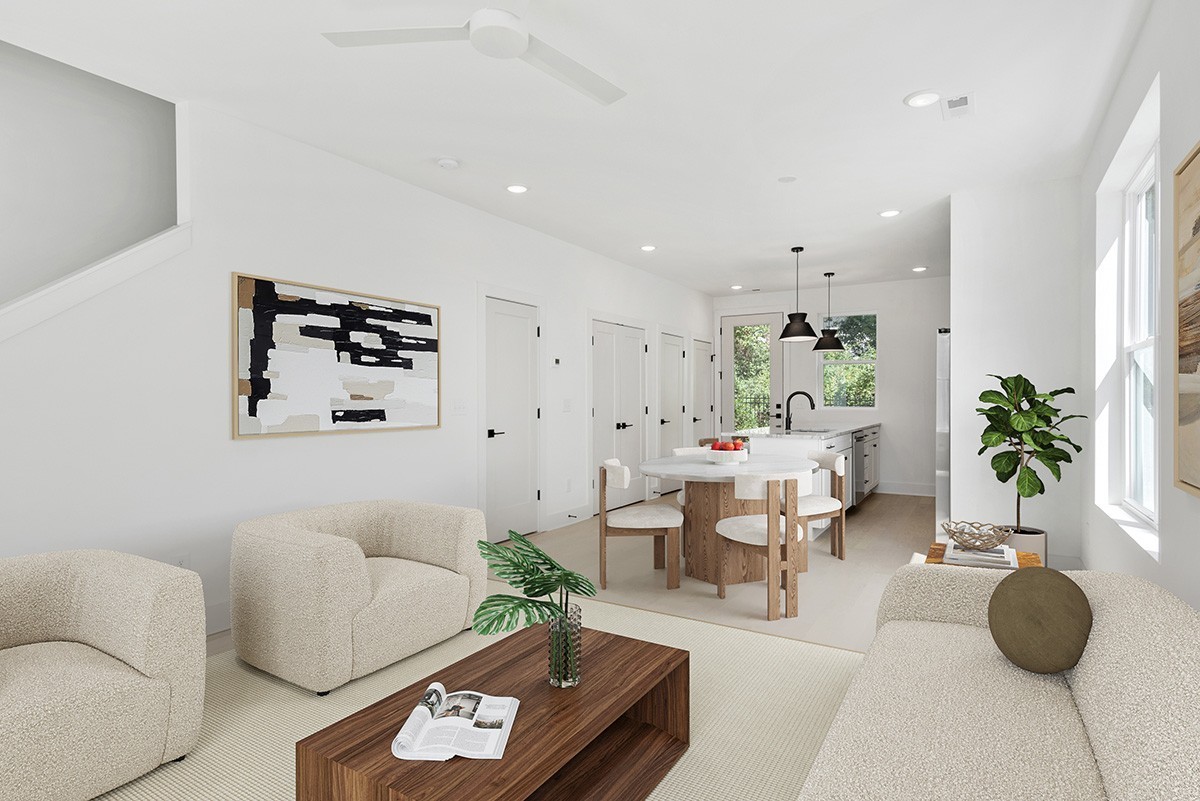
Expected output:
(838, 600)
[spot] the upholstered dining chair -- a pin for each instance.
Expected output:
(772, 535)
(833, 506)
(680, 498)
(648, 519)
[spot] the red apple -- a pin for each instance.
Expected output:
(738, 445)
(716, 446)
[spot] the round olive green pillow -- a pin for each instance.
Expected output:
(1040, 619)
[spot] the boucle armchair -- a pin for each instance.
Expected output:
(937, 713)
(322, 596)
(101, 671)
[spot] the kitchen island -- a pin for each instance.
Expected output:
(858, 442)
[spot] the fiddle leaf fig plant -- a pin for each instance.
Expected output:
(1025, 425)
(528, 569)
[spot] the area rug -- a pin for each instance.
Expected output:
(761, 706)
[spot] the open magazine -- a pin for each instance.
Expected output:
(445, 725)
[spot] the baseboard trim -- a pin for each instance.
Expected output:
(897, 488)
(566, 517)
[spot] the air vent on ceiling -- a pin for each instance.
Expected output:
(958, 106)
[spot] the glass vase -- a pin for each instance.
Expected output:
(566, 647)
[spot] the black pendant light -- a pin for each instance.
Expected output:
(797, 330)
(828, 340)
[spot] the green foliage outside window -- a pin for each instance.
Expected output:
(849, 375)
(751, 376)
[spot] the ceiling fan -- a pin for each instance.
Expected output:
(499, 34)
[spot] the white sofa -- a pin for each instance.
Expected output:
(101, 671)
(937, 713)
(322, 596)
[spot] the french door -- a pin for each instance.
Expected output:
(619, 411)
(701, 409)
(673, 420)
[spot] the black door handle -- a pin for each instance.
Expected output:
(695, 419)
(623, 426)
(494, 433)
(662, 422)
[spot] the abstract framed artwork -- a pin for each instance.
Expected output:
(309, 359)
(1187, 289)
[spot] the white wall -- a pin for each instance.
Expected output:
(116, 424)
(1015, 308)
(1166, 48)
(88, 169)
(909, 313)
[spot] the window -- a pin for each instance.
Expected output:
(1140, 325)
(751, 376)
(848, 376)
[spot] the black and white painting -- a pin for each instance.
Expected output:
(313, 359)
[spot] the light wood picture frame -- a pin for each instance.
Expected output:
(310, 359)
(1187, 323)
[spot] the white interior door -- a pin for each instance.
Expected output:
(619, 406)
(750, 348)
(512, 437)
(701, 409)
(672, 402)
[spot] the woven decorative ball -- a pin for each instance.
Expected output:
(976, 536)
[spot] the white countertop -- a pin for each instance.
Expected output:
(816, 432)
(698, 468)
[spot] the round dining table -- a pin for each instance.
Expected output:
(708, 497)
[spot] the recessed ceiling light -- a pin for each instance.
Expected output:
(919, 269)
(448, 163)
(923, 98)
(648, 248)
(517, 189)
(888, 213)
(787, 179)
(736, 286)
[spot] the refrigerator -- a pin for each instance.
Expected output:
(941, 464)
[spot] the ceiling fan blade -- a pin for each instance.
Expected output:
(571, 72)
(397, 36)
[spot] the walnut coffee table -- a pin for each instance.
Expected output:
(613, 737)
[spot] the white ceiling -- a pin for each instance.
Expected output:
(724, 98)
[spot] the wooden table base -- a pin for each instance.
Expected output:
(706, 502)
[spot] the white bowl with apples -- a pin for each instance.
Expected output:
(727, 453)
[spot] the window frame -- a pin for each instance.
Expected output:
(821, 362)
(1135, 282)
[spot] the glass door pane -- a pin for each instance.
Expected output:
(751, 372)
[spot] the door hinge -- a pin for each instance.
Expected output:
(712, 357)
(539, 495)
(712, 408)
(647, 410)
(720, 375)
(593, 340)
(683, 409)
(685, 354)
(647, 347)
(539, 413)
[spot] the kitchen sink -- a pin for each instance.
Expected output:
(810, 431)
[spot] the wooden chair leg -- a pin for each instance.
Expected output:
(672, 538)
(791, 568)
(803, 546)
(603, 561)
(842, 535)
(722, 565)
(773, 568)
(660, 553)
